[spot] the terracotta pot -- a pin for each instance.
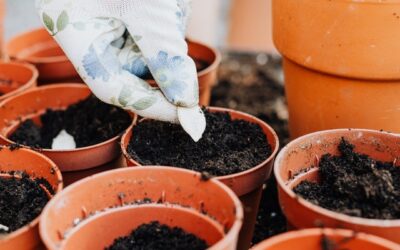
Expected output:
(37, 166)
(22, 76)
(33, 103)
(302, 153)
(40, 49)
(342, 64)
(206, 77)
(247, 184)
(183, 188)
(311, 239)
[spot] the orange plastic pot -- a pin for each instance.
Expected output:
(247, 184)
(339, 63)
(206, 77)
(181, 197)
(311, 239)
(33, 103)
(303, 152)
(16, 78)
(40, 49)
(36, 166)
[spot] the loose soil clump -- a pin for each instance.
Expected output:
(227, 146)
(22, 199)
(89, 121)
(155, 236)
(356, 185)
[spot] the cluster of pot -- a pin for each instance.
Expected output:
(92, 212)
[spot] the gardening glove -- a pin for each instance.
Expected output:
(113, 44)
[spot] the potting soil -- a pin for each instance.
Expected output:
(21, 201)
(89, 121)
(227, 146)
(155, 236)
(356, 185)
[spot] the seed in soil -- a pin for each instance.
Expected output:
(355, 184)
(22, 199)
(156, 236)
(228, 146)
(89, 121)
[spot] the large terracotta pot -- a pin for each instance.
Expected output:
(340, 65)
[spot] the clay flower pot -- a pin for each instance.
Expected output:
(40, 49)
(247, 184)
(302, 153)
(16, 78)
(312, 239)
(207, 77)
(33, 103)
(180, 196)
(340, 69)
(36, 166)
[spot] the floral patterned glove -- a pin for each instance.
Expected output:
(115, 43)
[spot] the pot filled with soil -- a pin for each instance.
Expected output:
(337, 61)
(325, 239)
(28, 180)
(207, 60)
(237, 148)
(342, 179)
(40, 49)
(66, 123)
(146, 208)
(16, 78)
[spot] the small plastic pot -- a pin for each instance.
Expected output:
(16, 78)
(311, 239)
(40, 49)
(247, 184)
(302, 153)
(206, 77)
(33, 103)
(36, 166)
(339, 65)
(181, 198)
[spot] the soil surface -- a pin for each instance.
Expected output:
(356, 185)
(228, 146)
(154, 236)
(89, 121)
(21, 201)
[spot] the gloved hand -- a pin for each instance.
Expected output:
(114, 43)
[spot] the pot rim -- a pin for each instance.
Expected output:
(224, 177)
(63, 85)
(228, 236)
(317, 209)
(60, 185)
(293, 235)
(32, 80)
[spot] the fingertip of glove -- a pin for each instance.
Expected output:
(193, 121)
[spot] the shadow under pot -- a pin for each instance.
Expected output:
(237, 148)
(324, 239)
(346, 178)
(38, 117)
(28, 180)
(16, 78)
(147, 208)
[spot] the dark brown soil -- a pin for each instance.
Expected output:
(228, 146)
(89, 121)
(356, 185)
(154, 236)
(21, 200)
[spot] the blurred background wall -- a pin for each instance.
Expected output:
(232, 24)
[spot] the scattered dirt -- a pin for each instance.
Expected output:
(356, 185)
(228, 146)
(89, 121)
(7, 84)
(155, 236)
(21, 200)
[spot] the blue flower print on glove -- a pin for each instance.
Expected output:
(93, 66)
